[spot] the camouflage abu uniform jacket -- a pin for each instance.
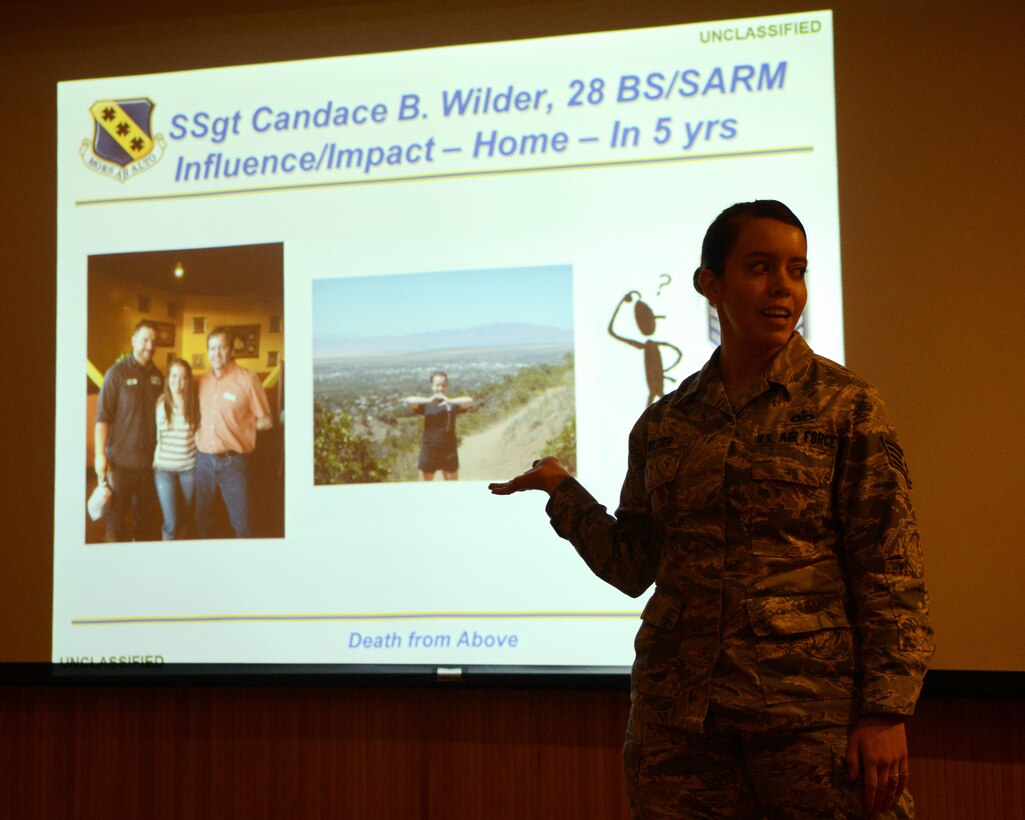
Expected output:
(784, 551)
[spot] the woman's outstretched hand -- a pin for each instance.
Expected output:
(546, 474)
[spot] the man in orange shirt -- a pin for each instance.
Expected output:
(233, 406)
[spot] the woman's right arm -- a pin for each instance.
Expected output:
(623, 550)
(546, 475)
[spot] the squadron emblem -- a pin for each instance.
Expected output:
(123, 143)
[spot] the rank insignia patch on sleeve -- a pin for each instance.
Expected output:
(896, 456)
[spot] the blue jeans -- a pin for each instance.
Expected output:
(230, 475)
(172, 487)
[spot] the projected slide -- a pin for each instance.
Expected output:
(324, 303)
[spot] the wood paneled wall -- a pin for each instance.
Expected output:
(84, 752)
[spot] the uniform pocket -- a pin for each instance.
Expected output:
(657, 647)
(661, 609)
(660, 468)
(804, 647)
(788, 503)
(660, 484)
(680, 479)
(791, 467)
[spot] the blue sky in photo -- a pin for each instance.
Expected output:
(370, 306)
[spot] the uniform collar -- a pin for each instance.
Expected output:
(790, 364)
(784, 370)
(707, 376)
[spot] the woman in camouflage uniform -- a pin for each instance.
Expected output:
(767, 499)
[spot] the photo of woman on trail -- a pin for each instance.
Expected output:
(493, 347)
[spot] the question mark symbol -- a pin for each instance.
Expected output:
(668, 279)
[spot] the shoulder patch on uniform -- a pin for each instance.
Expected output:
(896, 457)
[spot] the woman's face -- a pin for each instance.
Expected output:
(762, 291)
(177, 379)
(439, 384)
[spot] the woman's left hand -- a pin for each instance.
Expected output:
(877, 753)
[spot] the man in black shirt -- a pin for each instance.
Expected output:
(126, 436)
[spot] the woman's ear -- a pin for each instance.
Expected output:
(711, 285)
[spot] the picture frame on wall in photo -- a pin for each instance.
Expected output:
(245, 340)
(165, 334)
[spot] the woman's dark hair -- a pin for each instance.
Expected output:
(722, 233)
(191, 397)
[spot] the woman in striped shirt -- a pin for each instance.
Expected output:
(175, 458)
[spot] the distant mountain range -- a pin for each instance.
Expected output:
(497, 334)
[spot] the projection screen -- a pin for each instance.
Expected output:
(508, 213)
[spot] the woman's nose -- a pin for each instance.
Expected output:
(780, 282)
